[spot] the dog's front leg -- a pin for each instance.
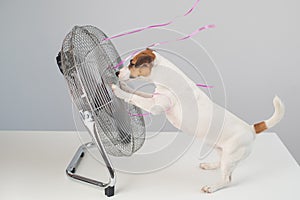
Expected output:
(147, 104)
(128, 89)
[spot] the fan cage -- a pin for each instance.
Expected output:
(87, 64)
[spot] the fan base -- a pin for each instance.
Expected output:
(109, 190)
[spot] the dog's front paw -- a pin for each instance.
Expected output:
(119, 92)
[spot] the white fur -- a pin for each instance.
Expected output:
(193, 112)
(278, 114)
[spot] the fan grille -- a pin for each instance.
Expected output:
(87, 65)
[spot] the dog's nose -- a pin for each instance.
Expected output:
(117, 73)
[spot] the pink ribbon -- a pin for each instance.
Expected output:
(204, 86)
(161, 43)
(193, 7)
(153, 26)
(165, 42)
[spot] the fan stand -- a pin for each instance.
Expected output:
(109, 187)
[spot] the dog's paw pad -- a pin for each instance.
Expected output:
(206, 189)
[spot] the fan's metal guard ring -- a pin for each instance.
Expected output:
(87, 64)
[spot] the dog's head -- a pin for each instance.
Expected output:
(140, 65)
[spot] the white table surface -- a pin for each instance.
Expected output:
(32, 166)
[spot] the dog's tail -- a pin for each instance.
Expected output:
(276, 117)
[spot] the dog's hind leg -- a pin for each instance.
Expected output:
(227, 169)
(213, 165)
(229, 161)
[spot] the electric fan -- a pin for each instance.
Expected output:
(87, 62)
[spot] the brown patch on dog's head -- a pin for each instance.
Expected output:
(146, 56)
(141, 64)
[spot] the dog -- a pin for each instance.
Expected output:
(172, 85)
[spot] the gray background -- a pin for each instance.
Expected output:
(256, 46)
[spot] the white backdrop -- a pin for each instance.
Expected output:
(255, 46)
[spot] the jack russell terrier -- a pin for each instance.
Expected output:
(236, 136)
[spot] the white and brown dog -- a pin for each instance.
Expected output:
(236, 136)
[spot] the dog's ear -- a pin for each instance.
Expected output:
(146, 56)
(150, 53)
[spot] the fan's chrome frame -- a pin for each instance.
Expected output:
(88, 113)
(71, 169)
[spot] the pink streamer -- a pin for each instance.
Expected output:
(139, 30)
(193, 7)
(153, 26)
(161, 43)
(166, 42)
(204, 86)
